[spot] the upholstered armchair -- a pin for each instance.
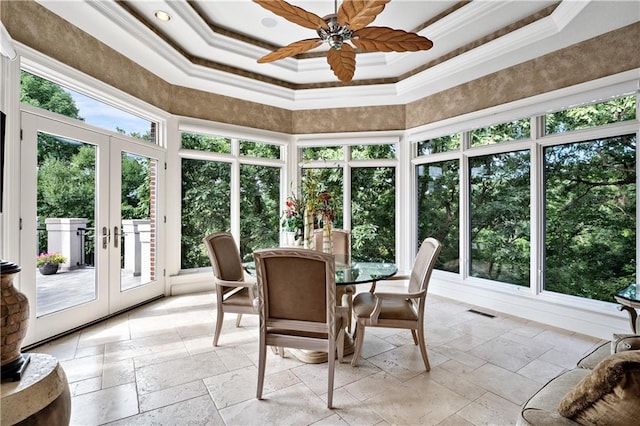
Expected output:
(234, 291)
(402, 309)
(297, 305)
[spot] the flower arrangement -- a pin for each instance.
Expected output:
(293, 216)
(50, 259)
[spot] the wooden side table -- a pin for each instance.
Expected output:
(629, 300)
(41, 397)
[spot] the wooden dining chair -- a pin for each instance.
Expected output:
(297, 306)
(341, 239)
(402, 309)
(235, 292)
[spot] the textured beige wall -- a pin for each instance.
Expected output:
(356, 119)
(34, 26)
(605, 55)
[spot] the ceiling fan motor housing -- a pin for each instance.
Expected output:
(336, 35)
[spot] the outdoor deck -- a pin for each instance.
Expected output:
(68, 288)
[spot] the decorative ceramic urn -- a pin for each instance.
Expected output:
(15, 317)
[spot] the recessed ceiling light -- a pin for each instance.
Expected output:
(162, 15)
(268, 22)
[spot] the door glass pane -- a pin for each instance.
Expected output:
(138, 226)
(260, 209)
(66, 220)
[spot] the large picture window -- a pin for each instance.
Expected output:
(438, 201)
(500, 205)
(590, 217)
(208, 191)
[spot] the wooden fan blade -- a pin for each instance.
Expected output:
(342, 62)
(359, 13)
(295, 14)
(383, 39)
(291, 50)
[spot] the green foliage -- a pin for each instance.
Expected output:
(67, 188)
(441, 144)
(206, 143)
(258, 149)
(373, 213)
(590, 217)
(259, 207)
(47, 95)
(206, 208)
(438, 196)
(500, 206)
(136, 190)
(598, 114)
(50, 259)
(503, 132)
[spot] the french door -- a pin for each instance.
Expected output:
(92, 197)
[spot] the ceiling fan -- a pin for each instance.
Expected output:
(349, 23)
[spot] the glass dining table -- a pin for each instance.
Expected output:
(349, 273)
(352, 271)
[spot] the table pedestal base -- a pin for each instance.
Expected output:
(314, 357)
(344, 296)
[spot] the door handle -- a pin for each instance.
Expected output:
(116, 236)
(105, 237)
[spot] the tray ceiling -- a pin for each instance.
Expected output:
(214, 45)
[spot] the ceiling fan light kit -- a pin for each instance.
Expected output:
(349, 23)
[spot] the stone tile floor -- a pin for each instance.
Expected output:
(156, 365)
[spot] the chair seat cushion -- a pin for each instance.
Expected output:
(609, 394)
(239, 298)
(396, 309)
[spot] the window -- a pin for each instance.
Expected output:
(441, 144)
(208, 191)
(372, 152)
(322, 153)
(598, 114)
(206, 143)
(500, 204)
(259, 208)
(206, 207)
(50, 96)
(371, 193)
(258, 149)
(590, 212)
(438, 201)
(513, 130)
(373, 213)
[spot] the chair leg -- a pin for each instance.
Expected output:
(340, 345)
(350, 304)
(219, 320)
(423, 347)
(238, 320)
(359, 338)
(331, 373)
(415, 338)
(262, 361)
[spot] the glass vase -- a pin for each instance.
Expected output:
(308, 228)
(327, 239)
